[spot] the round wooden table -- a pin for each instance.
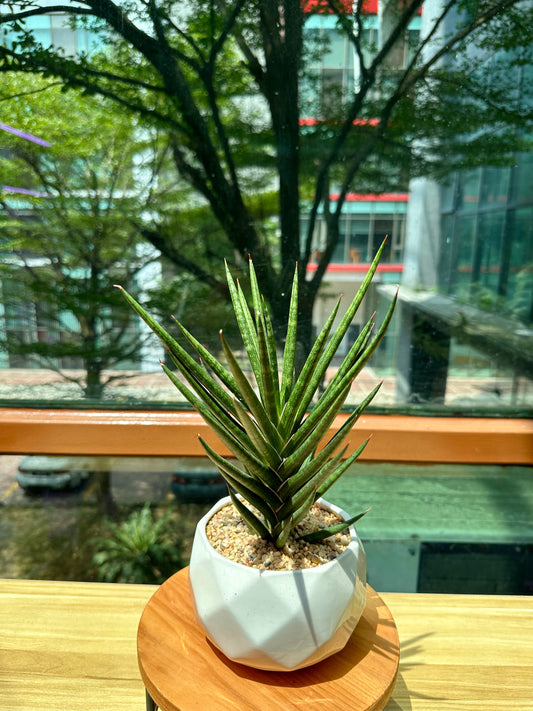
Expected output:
(182, 670)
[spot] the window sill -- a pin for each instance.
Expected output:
(401, 438)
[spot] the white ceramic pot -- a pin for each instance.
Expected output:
(277, 620)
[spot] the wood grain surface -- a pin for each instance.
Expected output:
(181, 669)
(400, 438)
(68, 646)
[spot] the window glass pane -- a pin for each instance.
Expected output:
(358, 240)
(523, 177)
(458, 238)
(488, 266)
(470, 188)
(495, 185)
(461, 277)
(61, 533)
(520, 280)
(339, 255)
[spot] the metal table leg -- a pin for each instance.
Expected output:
(150, 703)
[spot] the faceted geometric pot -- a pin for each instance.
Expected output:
(277, 620)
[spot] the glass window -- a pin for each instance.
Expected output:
(520, 280)
(495, 186)
(487, 261)
(461, 278)
(523, 178)
(470, 188)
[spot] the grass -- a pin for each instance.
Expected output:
(56, 542)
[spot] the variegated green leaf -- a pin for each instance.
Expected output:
(323, 533)
(244, 322)
(215, 365)
(250, 398)
(269, 391)
(272, 359)
(285, 532)
(186, 362)
(251, 520)
(316, 424)
(302, 391)
(289, 353)
(261, 445)
(254, 286)
(340, 470)
(265, 485)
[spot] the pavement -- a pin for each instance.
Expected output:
(135, 387)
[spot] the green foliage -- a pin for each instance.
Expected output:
(65, 246)
(48, 543)
(267, 428)
(138, 550)
(229, 83)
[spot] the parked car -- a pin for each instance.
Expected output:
(198, 485)
(50, 472)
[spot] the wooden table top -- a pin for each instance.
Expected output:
(72, 646)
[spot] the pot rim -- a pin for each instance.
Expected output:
(316, 570)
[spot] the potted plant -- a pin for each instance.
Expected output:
(277, 574)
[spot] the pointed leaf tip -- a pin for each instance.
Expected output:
(117, 286)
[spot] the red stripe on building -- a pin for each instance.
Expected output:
(310, 121)
(352, 268)
(371, 197)
(370, 7)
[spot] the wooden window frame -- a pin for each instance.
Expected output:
(394, 438)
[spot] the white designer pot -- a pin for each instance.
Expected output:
(277, 620)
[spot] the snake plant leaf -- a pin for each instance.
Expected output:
(271, 348)
(371, 347)
(296, 459)
(323, 533)
(348, 317)
(302, 512)
(318, 369)
(258, 502)
(238, 445)
(303, 476)
(307, 491)
(252, 521)
(177, 351)
(199, 378)
(322, 489)
(210, 410)
(318, 420)
(244, 322)
(257, 438)
(215, 365)
(355, 351)
(272, 353)
(258, 486)
(270, 388)
(315, 464)
(289, 353)
(249, 396)
(254, 286)
(302, 391)
(285, 532)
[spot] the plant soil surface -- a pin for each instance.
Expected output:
(229, 535)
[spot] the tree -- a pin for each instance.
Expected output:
(72, 238)
(189, 66)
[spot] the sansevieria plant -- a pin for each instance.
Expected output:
(270, 423)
